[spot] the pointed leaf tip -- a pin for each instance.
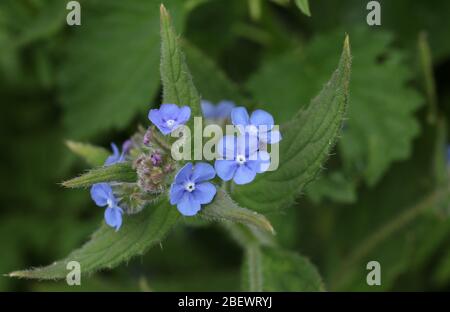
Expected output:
(122, 172)
(163, 11)
(310, 134)
(347, 44)
(223, 208)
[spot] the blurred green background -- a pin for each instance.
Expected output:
(379, 197)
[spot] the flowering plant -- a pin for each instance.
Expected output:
(258, 168)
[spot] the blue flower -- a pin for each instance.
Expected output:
(220, 111)
(169, 117)
(103, 196)
(190, 189)
(259, 124)
(116, 156)
(240, 159)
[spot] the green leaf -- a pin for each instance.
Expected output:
(334, 186)
(212, 83)
(381, 124)
(110, 73)
(396, 226)
(307, 141)
(426, 64)
(272, 269)
(442, 273)
(93, 155)
(223, 208)
(303, 5)
(119, 172)
(29, 23)
(178, 87)
(108, 248)
(431, 18)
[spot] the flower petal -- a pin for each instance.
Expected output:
(202, 172)
(204, 192)
(156, 118)
(115, 157)
(127, 146)
(260, 118)
(273, 137)
(227, 147)
(246, 145)
(176, 193)
(101, 193)
(262, 162)
(154, 115)
(183, 115)
(113, 217)
(188, 206)
(208, 109)
(169, 111)
(223, 109)
(184, 174)
(115, 149)
(244, 174)
(225, 169)
(239, 116)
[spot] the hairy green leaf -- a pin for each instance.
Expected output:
(119, 172)
(307, 141)
(178, 87)
(272, 269)
(108, 248)
(223, 208)
(110, 73)
(93, 155)
(303, 5)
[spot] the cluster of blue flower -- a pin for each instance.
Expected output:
(241, 157)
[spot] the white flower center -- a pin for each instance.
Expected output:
(190, 187)
(252, 130)
(109, 202)
(240, 159)
(170, 123)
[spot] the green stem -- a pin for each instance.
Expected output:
(254, 268)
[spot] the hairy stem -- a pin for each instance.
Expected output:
(254, 268)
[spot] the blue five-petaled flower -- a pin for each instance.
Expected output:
(190, 189)
(220, 111)
(169, 117)
(240, 159)
(259, 124)
(103, 196)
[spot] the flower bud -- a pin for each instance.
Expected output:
(147, 136)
